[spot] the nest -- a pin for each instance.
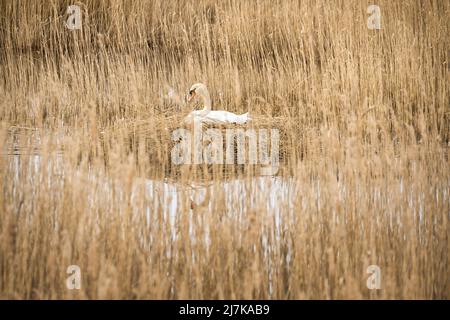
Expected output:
(156, 135)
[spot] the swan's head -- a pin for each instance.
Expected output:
(197, 89)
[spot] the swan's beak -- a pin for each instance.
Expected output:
(190, 96)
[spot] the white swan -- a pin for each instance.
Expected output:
(206, 115)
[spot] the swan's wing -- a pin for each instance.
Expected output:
(235, 118)
(214, 117)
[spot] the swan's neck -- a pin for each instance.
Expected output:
(206, 102)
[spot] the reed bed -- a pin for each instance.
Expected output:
(87, 179)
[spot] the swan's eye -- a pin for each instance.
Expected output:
(192, 92)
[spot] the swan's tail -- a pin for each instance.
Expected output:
(243, 118)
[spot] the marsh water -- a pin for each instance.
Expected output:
(265, 193)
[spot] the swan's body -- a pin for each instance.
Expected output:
(206, 115)
(216, 117)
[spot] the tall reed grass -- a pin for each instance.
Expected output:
(86, 118)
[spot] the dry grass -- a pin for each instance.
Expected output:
(364, 116)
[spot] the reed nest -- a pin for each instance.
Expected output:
(154, 136)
